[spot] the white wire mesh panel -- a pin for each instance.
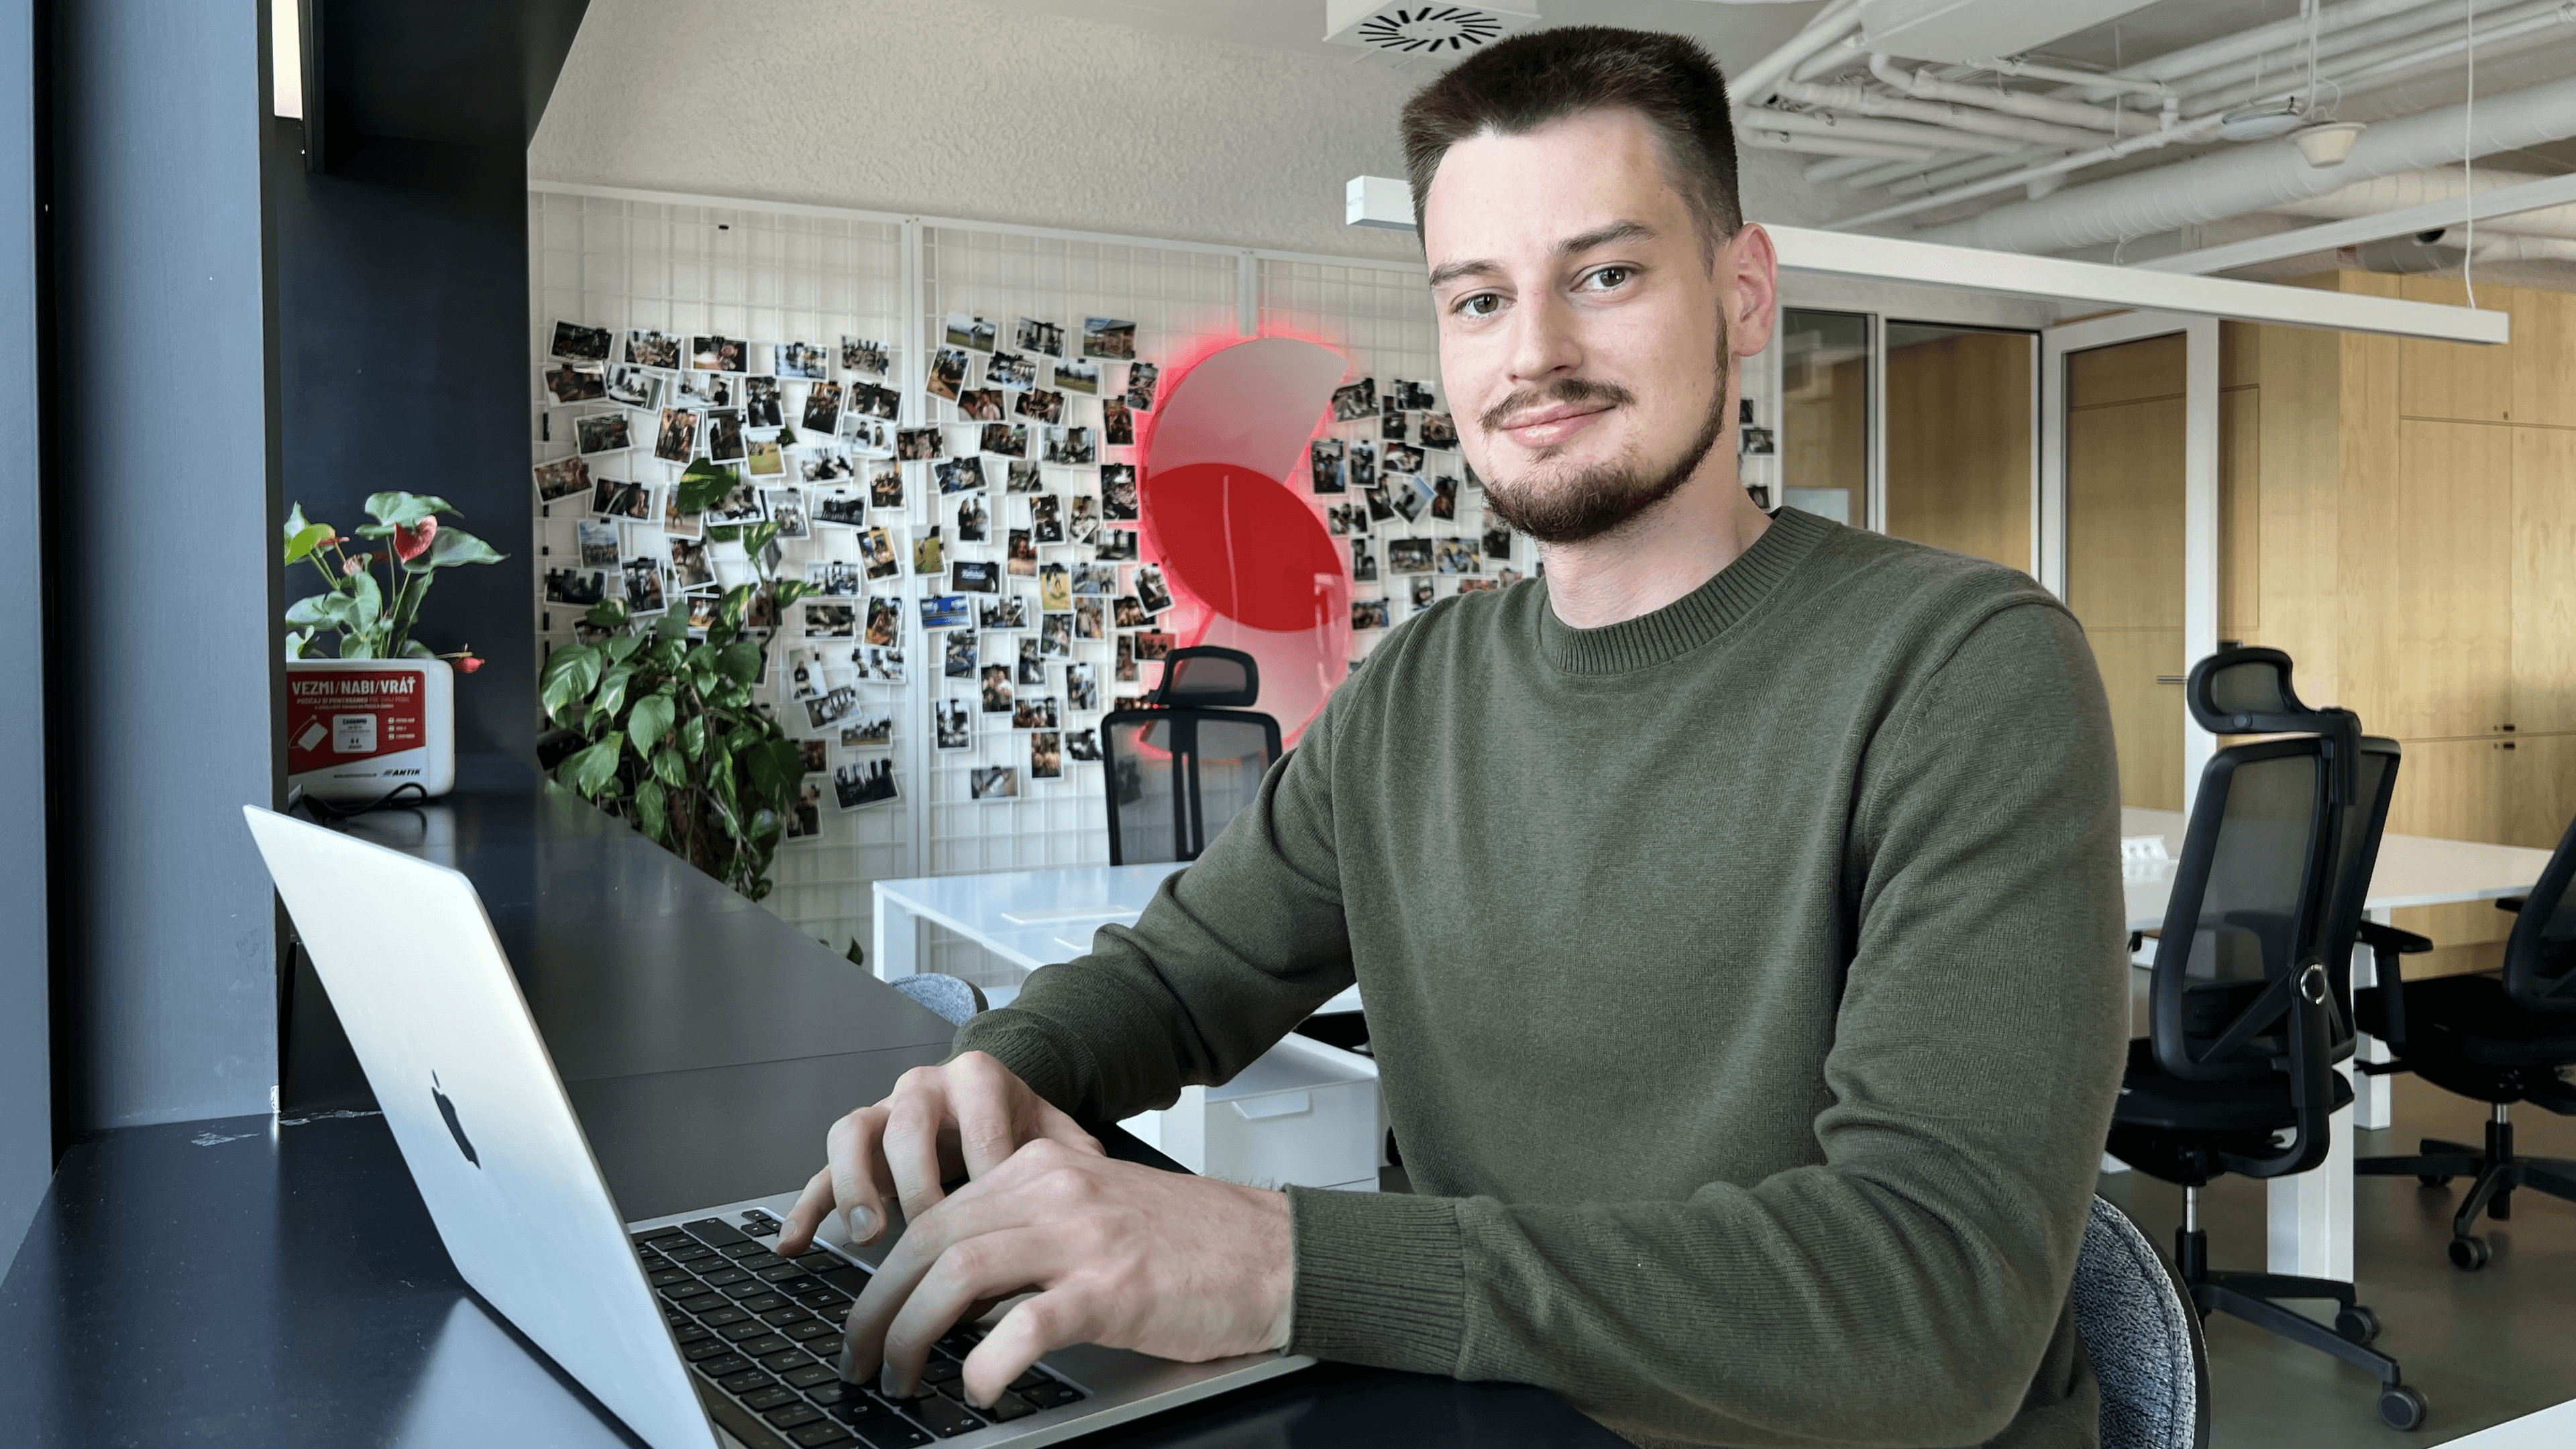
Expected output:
(1381, 319)
(768, 279)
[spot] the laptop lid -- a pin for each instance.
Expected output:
(430, 1005)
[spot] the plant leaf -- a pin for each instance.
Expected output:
(623, 646)
(652, 809)
(788, 591)
(301, 541)
(452, 546)
(693, 736)
(366, 601)
(590, 770)
(329, 610)
(740, 661)
(606, 614)
(404, 508)
(570, 675)
(297, 642)
(612, 691)
(414, 649)
(701, 486)
(774, 767)
(674, 626)
(649, 721)
(670, 769)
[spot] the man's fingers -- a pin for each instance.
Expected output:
(797, 1233)
(973, 1270)
(981, 1096)
(910, 1142)
(851, 1165)
(1034, 1327)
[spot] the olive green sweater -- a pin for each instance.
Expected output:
(1746, 981)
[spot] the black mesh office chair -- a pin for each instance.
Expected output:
(1180, 769)
(2237, 1072)
(2498, 1041)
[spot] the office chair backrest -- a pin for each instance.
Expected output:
(1204, 676)
(2142, 1336)
(2540, 955)
(2357, 835)
(1176, 776)
(950, 998)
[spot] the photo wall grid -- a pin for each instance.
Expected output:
(981, 603)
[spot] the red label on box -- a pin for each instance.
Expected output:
(345, 716)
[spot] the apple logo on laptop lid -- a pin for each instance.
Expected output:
(455, 1129)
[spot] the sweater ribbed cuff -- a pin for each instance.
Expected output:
(1380, 1279)
(1031, 1052)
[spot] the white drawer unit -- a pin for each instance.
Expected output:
(1305, 1114)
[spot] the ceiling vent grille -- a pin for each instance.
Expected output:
(1431, 30)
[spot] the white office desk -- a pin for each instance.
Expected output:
(2311, 1213)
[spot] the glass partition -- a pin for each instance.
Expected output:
(1825, 413)
(1960, 419)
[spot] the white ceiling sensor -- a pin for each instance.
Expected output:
(1965, 30)
(1428, 29)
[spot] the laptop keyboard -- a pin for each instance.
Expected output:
(764, 1332)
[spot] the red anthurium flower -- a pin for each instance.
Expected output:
(411, 540)
(469, 664)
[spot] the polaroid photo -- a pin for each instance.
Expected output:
(719, 354)
(1414, 396)
(960, 475)
(724, 434)
(702, 612)
(1046, 755)
(872, 728)
(879, 664)
(1046, 519)
(1096, 580)
(993, 782)
(1444, 496)
(706, 390)
(1401, 458)
(1055, 587)
(1152, 645)
(1109, 337)
(994, 683)
(764, 402)
(1390, 424)
(957, 654)
(1073, 446)
(845, 507)
(865, 357)
(676, 440)
(1014, 370)
(805, 675)
(1371, 614)
(804, 818)
(1089, 620)
(1363, 460)
(1041, 404)
(635, 387)
(829, 709)
(647, 347)
(822, 413)
(676, 523)
(975, 576)
(1082, 519)
(1114, 545)
(1055, 635)
(930, 553)
(830, 621)
(598, 544)
(885, 485)
(802, 361)
(1009, 612)
(642, 578)
(1355, 401)
(577, 343)
(741, 504)
(915, 445)
(1380, 507)
(616, 498)
(576, 382)
(952, 725)
(868, 400)
(973, 520)
(1019, 554)
(1081, 377)
(1460, 556)
(862, 783)
(763, 458)
(562, 478)
(1043, 338)
(760, 611)
(964, 330)
(1324, 464)
(983, 405)
(580, 588)
(835, 578)
(1363, 562)
(1439, 430)
(945, 611)
(1128, 612)
(1408, 555)
(1757, 442)
(1006, 440)
(1337, 519)
(1151, 591)
(1498, 544)
(1424, 591)
(1032, 664)
(1082, 688)
(1117, 423)
(1035, 712)
(786, 508)
(1082, 744)
(877, 552)
(1023, 477)
(867, 437)
(947, 373)
(1408, 495)
(1118, 492)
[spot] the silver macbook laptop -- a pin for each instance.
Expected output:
(687, 1327)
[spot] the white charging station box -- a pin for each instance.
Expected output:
(358, 729)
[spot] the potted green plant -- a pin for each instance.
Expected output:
(660, 728)
(370, 710)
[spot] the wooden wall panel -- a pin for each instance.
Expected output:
(2431, 607)
(1959, 444)
(2240, 512)
(2124, 550)
(2543, 533)
(2456, 380)
(2130, 372)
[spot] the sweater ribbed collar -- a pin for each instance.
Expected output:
(1695, 617)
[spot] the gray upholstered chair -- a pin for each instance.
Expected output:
(2143, 1338)
(949, 998)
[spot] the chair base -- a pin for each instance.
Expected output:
(2254, 1297)
(2495, 1174)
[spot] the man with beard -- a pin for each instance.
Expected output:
(1738, 913)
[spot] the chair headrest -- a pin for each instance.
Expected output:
(2246, 691)
(1207, 677)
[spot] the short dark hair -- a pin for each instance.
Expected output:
(1518, 85)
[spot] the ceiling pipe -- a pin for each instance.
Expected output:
(2422, 188)
(1862, 101)
(1752, 85)
(2292, 57)
(2014, 103)
(2260, 178)
(2175, 65)
(1924, 139)
(2355, 66)
(1766, 140)
(2089, 80)
(2536, 28)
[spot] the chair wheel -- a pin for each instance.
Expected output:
(2470, 1254)
(2433, 1179)
(2401, 1407)
(2357, 1324)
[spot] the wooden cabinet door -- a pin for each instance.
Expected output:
(2455, 379)
(2540, 790)
(2456, 790)
(2544, 580)
(2124, 550)
(2427, 554)
(2544, 356)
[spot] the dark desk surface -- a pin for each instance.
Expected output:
(259, 1282)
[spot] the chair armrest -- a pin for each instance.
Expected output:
(2382, 939)
(2510, 903)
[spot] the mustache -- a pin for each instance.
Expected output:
(1576, 390)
